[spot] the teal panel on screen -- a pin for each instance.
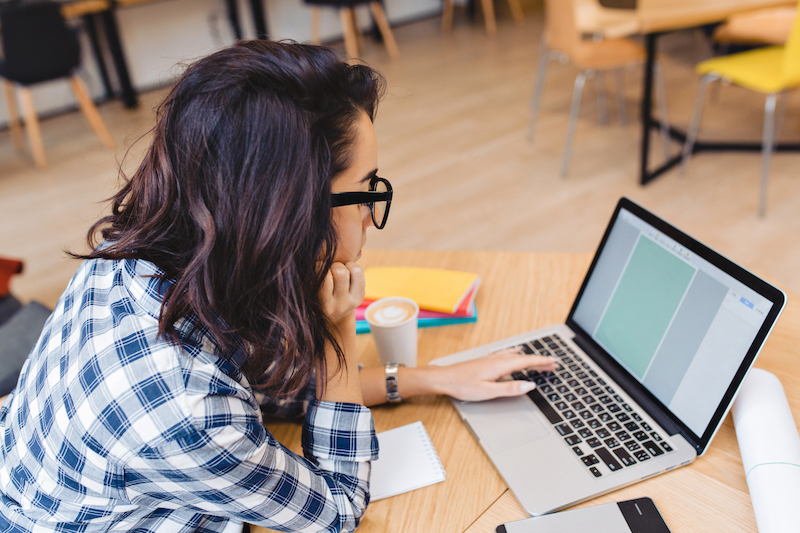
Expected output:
(649, 292)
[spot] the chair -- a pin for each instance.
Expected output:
(352, 33)
(563, 40)
(8, 268)
(488, 15)
(20, 326)
(38, 46)
(771, 71)
(18, 336)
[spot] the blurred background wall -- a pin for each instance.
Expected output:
(158, 36)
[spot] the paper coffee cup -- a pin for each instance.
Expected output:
(393, 323)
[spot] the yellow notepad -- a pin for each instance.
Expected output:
(445, 291)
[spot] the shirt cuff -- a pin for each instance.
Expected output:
(339, 432)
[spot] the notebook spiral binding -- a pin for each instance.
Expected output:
(430, 450)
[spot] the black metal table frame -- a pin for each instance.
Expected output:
(258, 14)
(649, 122)
(107, 19)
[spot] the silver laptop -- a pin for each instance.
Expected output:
(659, 339)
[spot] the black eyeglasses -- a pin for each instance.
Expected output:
(378, 199)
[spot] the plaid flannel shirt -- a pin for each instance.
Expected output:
(112, 428)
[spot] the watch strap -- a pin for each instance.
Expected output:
(392, 395)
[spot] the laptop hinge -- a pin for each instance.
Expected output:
(629, 384)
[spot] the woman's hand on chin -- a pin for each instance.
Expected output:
(342, 291)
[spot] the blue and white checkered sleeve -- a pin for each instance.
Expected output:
(242, 472)
(340, 438)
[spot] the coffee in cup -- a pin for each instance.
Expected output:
(393, 323)
(389, 311)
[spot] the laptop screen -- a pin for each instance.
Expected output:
(681, 319)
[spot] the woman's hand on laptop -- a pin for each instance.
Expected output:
(480, 379)
(476, 380)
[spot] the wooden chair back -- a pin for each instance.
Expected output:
(561, 29)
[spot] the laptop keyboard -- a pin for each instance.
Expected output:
(591, 417)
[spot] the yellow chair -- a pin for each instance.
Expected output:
(563, 40)
(771, 71)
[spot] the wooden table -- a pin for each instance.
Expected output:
(520, 292)
(653, 16)
(667, 15)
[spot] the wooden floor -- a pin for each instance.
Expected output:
(452, 140)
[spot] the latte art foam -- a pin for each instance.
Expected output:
(393, 312)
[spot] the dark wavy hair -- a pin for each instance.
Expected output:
(233, 202)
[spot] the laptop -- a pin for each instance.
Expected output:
(660, 336)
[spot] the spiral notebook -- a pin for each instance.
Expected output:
(407, 461)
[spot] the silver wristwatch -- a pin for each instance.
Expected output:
(391, 382)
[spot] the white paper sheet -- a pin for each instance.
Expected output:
(770, 448)
(407, 461)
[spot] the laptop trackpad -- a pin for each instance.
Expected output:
(504, 423)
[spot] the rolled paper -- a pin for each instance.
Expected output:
(770, 448)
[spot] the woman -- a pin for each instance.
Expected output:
(226, 284)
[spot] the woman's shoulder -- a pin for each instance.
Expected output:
(138, 279)
(106, 325)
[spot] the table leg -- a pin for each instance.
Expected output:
(232, 8)
(120, 64)
(91, 31)
(647, 104)
(648, 121)
(259, 19)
